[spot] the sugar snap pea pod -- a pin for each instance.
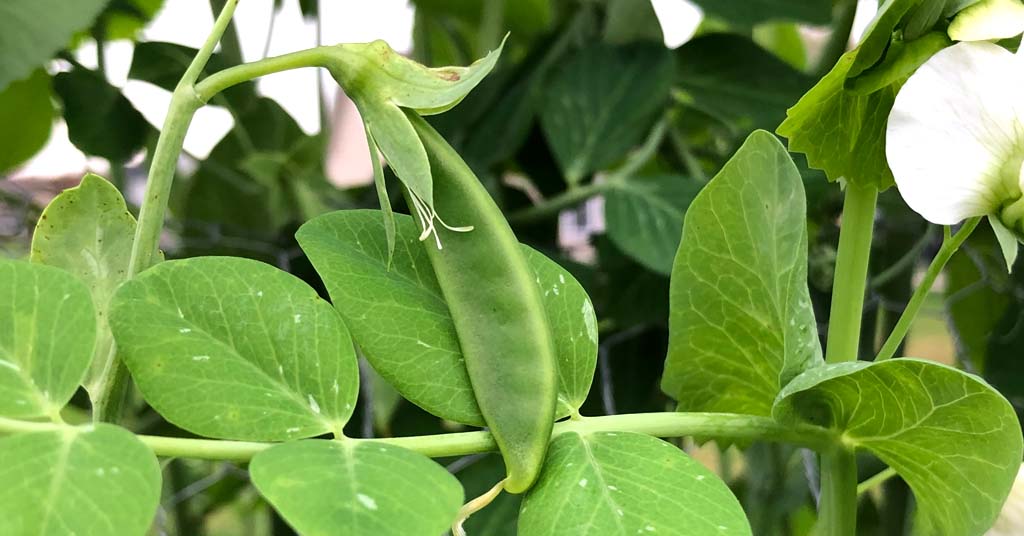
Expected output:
(498, 313)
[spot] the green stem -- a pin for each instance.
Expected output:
(950, 245)
(880, 478)
(718, 425)
(555, 204)
(838, 505)
(109, 402)
(219, 81)
(851, 274)
(838, 508)
(842, 25)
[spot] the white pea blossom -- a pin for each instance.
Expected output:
(955, 138)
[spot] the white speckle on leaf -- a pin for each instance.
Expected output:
(699, 477)
(423, 344)
(649, 528)
(590, 320)
(184, 330)
(280, 370)
(200, 358)
(291, 430)
(313, 405)
(620, 512)
(561, 278)
(298, 318)
(367, 501)
(334, 387)
(613, 488)
(583, 482)
(555, 290)
(100, 471)
(180, 314)
(259, 294)
(10, 365)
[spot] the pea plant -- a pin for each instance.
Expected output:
(248, 363)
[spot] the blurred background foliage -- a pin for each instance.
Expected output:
(592, 135)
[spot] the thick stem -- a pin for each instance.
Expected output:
(838, 506)
(719, 425)
(950, 245)
(109, 402)
(851, 274)
(219, 81)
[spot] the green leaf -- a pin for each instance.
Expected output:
(644, 217)
(954, 439)
(32, 31)
(522, 17)
(623, 484)
(90, 480)
(91, 107)
(902, 59)
(748, 13)
(236, 349)
(47, 332)
(841, 132)
(1009, 244)
(26, 111)
(602, 102)
(783, 39)
(401, 321)
(124, 19)
(401, 147)
(628, 21)
(735, 80)
(329, 487)
(741, 323)
(382, 197)
(88, 231)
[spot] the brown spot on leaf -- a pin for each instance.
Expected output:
(450, 76)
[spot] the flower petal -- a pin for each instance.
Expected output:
(954, 126)
(988, 19)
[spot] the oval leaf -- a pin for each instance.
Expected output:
(741, 324)
(954, 439)
(602, 102)
(624, 484)
(90, 480)
(645, 218)
(26, 111)
(47, 333)
(356, 487)
(88, 231)
(236, 349)
(400, 319)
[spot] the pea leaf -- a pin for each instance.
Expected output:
(32, 31)
(91, 106)
(747, 13)
(741, 324)
(623, 484)
(400, 319)
(602, 102)
(878, 34)
(330, 487)
(96, 479)
(47, 332)
(88, 231)
(644, 217)
(26, 111)
(841, 132)
(978, 296)
(954, 439)
(735, 80)
(236, 349)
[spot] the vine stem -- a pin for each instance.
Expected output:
(950, 245)
(842, 26)
(838, 507)
(719, 425)
(111, 394)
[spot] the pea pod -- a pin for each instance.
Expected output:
(497, 310)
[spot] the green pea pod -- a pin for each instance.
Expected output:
(498, 313)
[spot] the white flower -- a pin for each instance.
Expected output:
(988, 19)
(955, 138)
